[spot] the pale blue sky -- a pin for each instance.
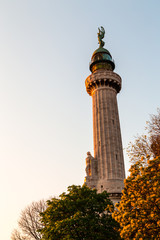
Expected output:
(45, 112)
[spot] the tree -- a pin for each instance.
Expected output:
(80, 214)
(147, 145)
(29, 222)
(138, 212)
(16, 235)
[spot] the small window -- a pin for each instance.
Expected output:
(116, 157)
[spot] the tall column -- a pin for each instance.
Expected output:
(103, 85)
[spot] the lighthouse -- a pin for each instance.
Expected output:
(105, 170)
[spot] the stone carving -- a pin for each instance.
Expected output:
(109, 78)
(91, 166)
(88, 164)
(101, 34)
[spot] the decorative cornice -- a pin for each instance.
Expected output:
(102, 78)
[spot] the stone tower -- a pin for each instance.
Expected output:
(105, 171)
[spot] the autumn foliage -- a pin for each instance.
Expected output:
(138, 213)
(139, 210)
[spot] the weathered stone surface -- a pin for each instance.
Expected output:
(103, 85)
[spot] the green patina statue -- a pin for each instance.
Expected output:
(101, 36)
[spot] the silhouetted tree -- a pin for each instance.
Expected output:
(29, 222)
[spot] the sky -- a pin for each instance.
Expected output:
(45, 112)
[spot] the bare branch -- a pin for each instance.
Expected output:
(146, 146)
(16, 235)
(29, 222)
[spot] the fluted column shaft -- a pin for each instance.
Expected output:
(107, 135)
(103, 85)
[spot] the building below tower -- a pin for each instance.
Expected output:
(105, 171)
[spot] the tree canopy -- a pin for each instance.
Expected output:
(81, 213)
(138, 212)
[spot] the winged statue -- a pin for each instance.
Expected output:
(101, 34)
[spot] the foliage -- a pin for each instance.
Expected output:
(138, 213)
(29, 222)
(147, 146)
(81, 213)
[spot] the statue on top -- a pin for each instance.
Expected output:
(101, 34)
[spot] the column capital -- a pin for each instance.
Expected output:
(103, 78)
